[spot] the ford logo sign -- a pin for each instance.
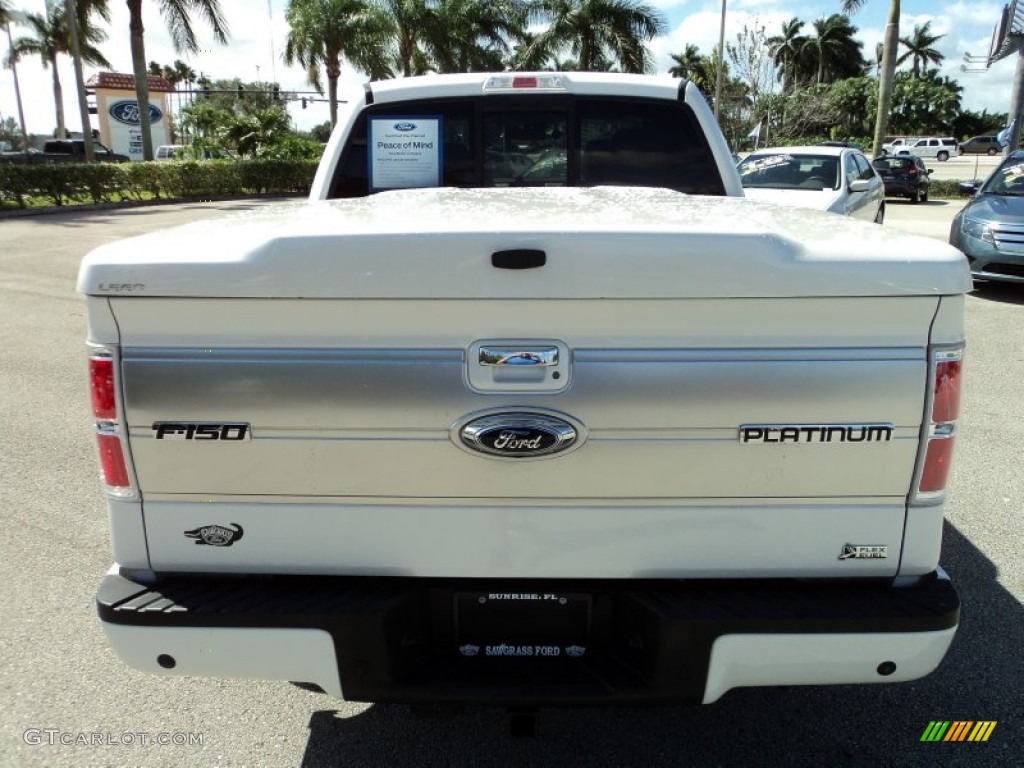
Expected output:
(405, 127)
(519, 435)
(127, 112)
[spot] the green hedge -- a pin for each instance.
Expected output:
(61, 183)
(947, 188)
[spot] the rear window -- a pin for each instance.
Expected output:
(894, 164)
(538, 141)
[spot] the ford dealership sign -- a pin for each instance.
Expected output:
(127, 112)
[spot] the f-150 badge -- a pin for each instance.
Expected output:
(215, 535)
(183, 430)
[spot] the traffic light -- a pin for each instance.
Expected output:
(241, 91)
(303, 103)
(276, 91)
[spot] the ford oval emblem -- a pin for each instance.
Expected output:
(127, 112)
(405, 127)
(519, 435)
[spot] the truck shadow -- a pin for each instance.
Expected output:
(790, 726)
(1003, 293)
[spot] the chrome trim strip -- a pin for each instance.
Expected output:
(781, 354)
(291, 356)
(588, 355)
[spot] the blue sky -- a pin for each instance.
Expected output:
(255, 34)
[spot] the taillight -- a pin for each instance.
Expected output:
(937, 461)
(110, 435)
(101, 386)
(115, 470)
(946, 392)
(946, 372)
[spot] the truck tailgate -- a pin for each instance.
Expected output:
(681, 467)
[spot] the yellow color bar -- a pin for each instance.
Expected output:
(982, 730)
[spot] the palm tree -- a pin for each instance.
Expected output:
(835, 48)
(595, 32)
(686, 63)
(888, 67)
(698, 69)
(408, 19)
(453, 36)
(176, 74)
(324, 32)
(786, 49)
(183, 73)
(176, 14)
(5, 13)
(473, 35)
(919, 48)
(52, 38)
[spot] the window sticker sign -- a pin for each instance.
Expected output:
(404, 152)
(763, 163)
(1013, 172)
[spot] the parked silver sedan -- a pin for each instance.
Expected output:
(836, 179)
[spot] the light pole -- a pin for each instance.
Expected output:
(718, 65)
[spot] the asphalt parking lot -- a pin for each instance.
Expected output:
(964, 168)
(60, 682)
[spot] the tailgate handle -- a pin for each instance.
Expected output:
(519, 258)
(541, 356)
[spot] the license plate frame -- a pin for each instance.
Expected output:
(548, 625)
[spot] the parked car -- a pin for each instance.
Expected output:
(981, 145)
(990, 228)
(169, 152)
(939, 148)
(893, 144)
(904, 176)
(836, 179)
(65, 151)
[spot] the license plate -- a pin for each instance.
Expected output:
(544, 625)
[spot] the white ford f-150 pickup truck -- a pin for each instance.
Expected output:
(527, 405)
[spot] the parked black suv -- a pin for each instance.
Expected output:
(904, 176)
